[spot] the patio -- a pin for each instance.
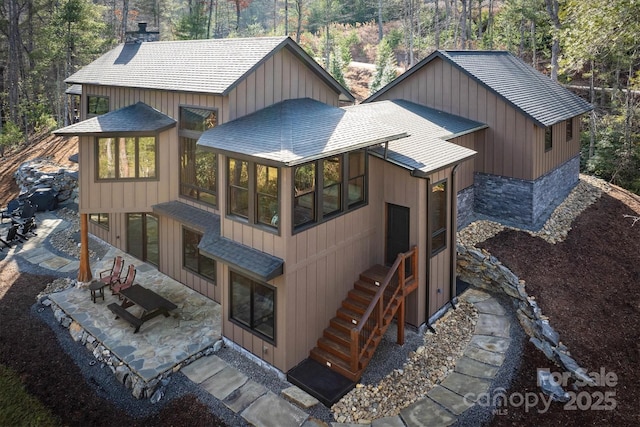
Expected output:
(163, 344)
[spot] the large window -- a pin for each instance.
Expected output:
(239, 188)
(97, 105)
(332, 186)
(198, 167)
(253, 192)
(142, 237)
(253, 305)
(127, 157)
(192, 259)
(327, 187)
(548, 138)
(438, 217)
(102, 219)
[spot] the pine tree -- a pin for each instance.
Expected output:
(386, 67)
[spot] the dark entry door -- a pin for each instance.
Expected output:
(397, 232)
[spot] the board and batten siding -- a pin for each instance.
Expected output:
(511, 144)
(282, 76)
(562, 149)
(441, 264)
(465, 171)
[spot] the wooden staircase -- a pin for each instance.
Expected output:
(353, 335)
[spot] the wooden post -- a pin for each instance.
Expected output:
(401, 322)
(84, 273)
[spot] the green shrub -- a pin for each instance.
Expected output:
(10, 136)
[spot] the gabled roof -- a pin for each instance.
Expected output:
(534, 94)
(252, 262)
(296, 131)
(206, 66)
(136, 119)
(425, 149)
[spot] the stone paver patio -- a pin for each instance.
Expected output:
(162, 342)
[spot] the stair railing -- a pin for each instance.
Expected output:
(372, 322)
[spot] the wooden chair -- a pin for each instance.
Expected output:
(112, 276)
(126, 282)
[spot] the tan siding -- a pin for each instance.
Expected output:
(562, 150)
(511, 145)
(466, 168)
(440, 264)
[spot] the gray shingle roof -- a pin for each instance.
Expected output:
(534, 94)
(249, 261)
(296, 131)
(206, 66)
(138, 118)
(426, 148)
(74, 90)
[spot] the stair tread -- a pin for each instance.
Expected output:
(326, 356)
(353, 305)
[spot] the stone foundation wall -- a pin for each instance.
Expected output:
(465, 202)
(522, 203)
(141, 389)
(483, 270)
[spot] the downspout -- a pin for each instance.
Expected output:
(453, 237)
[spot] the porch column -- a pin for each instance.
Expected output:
(400, 320)
(84, 273)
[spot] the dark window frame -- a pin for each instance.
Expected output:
(137, 138)
(569, 129)
(198, 270)
(96, 111)
(190, 136)
(251, 327)
(102, 219)
(253, 195)
(441, 232)
(318, 191)
(548, 138)
(144, 238)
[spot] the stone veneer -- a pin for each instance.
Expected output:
(481, 269)
(465, 202)
(523, 203)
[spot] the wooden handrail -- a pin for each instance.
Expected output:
(377, 303)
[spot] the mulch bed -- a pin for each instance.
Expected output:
(588, 286)
(30, 348)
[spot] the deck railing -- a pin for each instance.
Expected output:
(400, 277)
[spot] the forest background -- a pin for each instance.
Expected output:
(592, 46)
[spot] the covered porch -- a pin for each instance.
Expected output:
(163, 344)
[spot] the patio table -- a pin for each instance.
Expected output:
(151, 303)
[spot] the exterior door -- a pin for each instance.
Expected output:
(142, 237)
(397, 232)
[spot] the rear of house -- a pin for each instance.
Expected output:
(230, 166)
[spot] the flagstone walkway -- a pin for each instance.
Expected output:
(164, 343)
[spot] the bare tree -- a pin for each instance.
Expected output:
(552, 10)
(436, 25)
(380, 34)
(298, 4)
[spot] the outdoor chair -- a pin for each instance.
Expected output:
(28, 225)
(12, 236)
(126, 282)
(112, 276)
(26, 214)
(10, 210)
